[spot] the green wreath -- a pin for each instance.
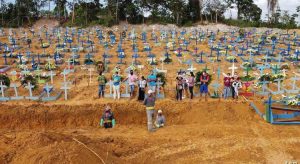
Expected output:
(31, 79)
(50, 66)
(162, 77)
(198, 74)
(5, 80)
(247, 78)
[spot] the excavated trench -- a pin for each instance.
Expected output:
(132, 113)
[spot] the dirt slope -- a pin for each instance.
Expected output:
(196, 133)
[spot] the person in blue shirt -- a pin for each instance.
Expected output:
(152, 81)
(116, 85)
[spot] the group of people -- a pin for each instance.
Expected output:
(184, 82)
(133, 81)
(232, 84)
(108, 120)
(187, 83)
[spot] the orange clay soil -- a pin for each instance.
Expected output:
(196, 132)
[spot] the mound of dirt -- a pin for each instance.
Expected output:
(196, 132)
(50, 23)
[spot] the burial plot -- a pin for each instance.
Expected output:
(2, 88)
(50, 95)
(30, 88)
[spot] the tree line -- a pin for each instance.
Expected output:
(111, 12)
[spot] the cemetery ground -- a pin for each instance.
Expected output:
(214, 132)
(197, 131)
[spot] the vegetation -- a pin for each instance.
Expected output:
(111, 12)
(5, 80)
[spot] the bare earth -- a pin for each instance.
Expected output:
(216, 131)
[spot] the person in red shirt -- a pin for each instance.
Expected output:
(227, 86)
(204, 78)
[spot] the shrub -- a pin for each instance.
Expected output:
(5, 80)
(31, 79)
(162, 77)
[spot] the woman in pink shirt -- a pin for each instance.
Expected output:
(191, 83)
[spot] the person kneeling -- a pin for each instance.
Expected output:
(160, 119)
(108, 119)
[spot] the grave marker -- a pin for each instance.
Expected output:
(2, 88)
(31, 97)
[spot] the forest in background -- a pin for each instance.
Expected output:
(84, 13)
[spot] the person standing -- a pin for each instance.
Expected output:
(235, 77)
(142, 86)
(227, 86)
(132, 78)
(101, 81)
(149, 102)
(236, 84)
(116, 85)
(179, 87)
(191, 84)
(152, 81)
(204, 78)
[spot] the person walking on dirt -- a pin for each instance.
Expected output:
(160, 119)
(227, 86)
(107, 119)
(179, 87)
(149, 102)
(116, 85)
(204, 78)
(191, 84)
(132, 78)
(152, 81)
(142, 87)
(101, 81)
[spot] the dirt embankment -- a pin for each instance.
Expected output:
(36, 116)
(196, 132)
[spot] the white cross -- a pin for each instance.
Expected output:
(2, 87)
(295, 79)
(191, 69)
(64, 73)
(29, 87)
(14, 85)
(51, 74)
(233, 68)
(65, 87)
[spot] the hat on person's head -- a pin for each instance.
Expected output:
(150, 91)
(159, 111)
